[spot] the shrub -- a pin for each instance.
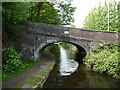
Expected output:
(105, 59)
(11, 60)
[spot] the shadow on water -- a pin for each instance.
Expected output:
(81, 78)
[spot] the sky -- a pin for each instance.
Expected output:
(83, 7)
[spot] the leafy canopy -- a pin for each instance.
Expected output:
(51, 13)
(16, 13)
(97, 19)
(43, 12)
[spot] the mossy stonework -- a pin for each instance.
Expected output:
(37, 37)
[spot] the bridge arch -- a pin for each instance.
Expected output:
(82, 50)
(38, 35)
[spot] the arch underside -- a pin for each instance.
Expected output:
(80, 45)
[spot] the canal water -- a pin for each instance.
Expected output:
(67, 65)
(67, 73)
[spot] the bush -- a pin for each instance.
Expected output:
(105, 59)
(11, 60)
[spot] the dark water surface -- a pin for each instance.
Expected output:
(82, 78)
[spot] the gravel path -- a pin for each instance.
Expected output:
(45, 59)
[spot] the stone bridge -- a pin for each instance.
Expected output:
(38, 36)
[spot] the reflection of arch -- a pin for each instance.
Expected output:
(79, 45)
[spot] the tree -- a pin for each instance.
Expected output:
(51, 13)
(98, 18)
(44, 12)
(14, 14)
(66, 13)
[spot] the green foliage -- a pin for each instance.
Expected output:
(66, 13)
(53, 48)
(50, 13)
(97, 19)
(107, 46)
(13, 15)
(43, 12)
(65, 45)
(25, 66)
(105, 59)
(15, 12)
(12, 64)
(11, 60)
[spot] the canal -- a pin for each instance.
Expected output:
(67, 73)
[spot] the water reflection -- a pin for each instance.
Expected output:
(67, 66)
(82, 78)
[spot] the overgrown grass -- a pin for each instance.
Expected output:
(104, 59)
(26, 65)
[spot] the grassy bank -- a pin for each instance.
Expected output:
(26, 66)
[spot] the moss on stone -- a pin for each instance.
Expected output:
(38, 79)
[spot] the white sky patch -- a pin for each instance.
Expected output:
(83, 7)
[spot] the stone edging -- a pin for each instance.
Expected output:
(38, 79)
